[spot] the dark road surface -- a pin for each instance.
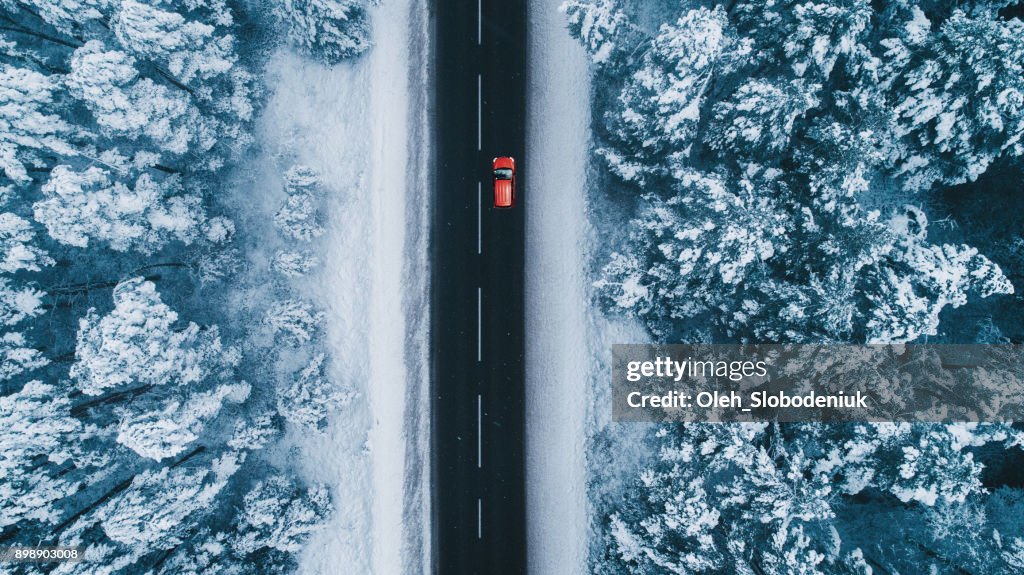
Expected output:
(477, 315)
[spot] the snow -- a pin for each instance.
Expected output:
(568, 339)
(558, 361)
(360, 126)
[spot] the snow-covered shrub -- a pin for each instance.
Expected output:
(294, 264)
(297, 218)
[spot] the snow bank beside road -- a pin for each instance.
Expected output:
(559, 354)
(361, 126)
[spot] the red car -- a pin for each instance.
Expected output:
(504, 182)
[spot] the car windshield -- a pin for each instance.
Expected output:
(503, 174)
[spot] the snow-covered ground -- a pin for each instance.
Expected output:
(559, 354)
(568, 339)
(361, 125)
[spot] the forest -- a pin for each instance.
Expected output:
(147, 364)
(809, 171)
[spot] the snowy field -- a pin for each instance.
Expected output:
(355, 124)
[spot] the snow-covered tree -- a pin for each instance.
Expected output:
(930, 463)
(29, 128)
(693, 251)
(191, 50)
(679, 539)
(207, 554)
(80, 206)
(16, 357)
(958, 98)
(127, 106)
(37, 431)
(602, 27)
(173, 425)
(116, 117)
(18, 304)
(758, 119)
(805, 37)
(329, 30)
(68, 16)
(277, 514)
(767, 170)
(659, 108)
(294, 320)
(215, 265)
(823, 32)
(218, 230)
(141, 343)
(310, 396)
(301, 178)
(254, 432)
(907, 305)
(160, 506)
(17, 242)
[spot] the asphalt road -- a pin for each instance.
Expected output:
(477, 286)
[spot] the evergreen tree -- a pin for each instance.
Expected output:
(38, 437)
(659, 108)
(330, 30)
(602, 28)
(158, 508)
(276, 514)
(293, 320)
(167, 429)
(80, 206)
(958, 99)
(310, 396)
(294, 264)
(140, 343)
(20, 250)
